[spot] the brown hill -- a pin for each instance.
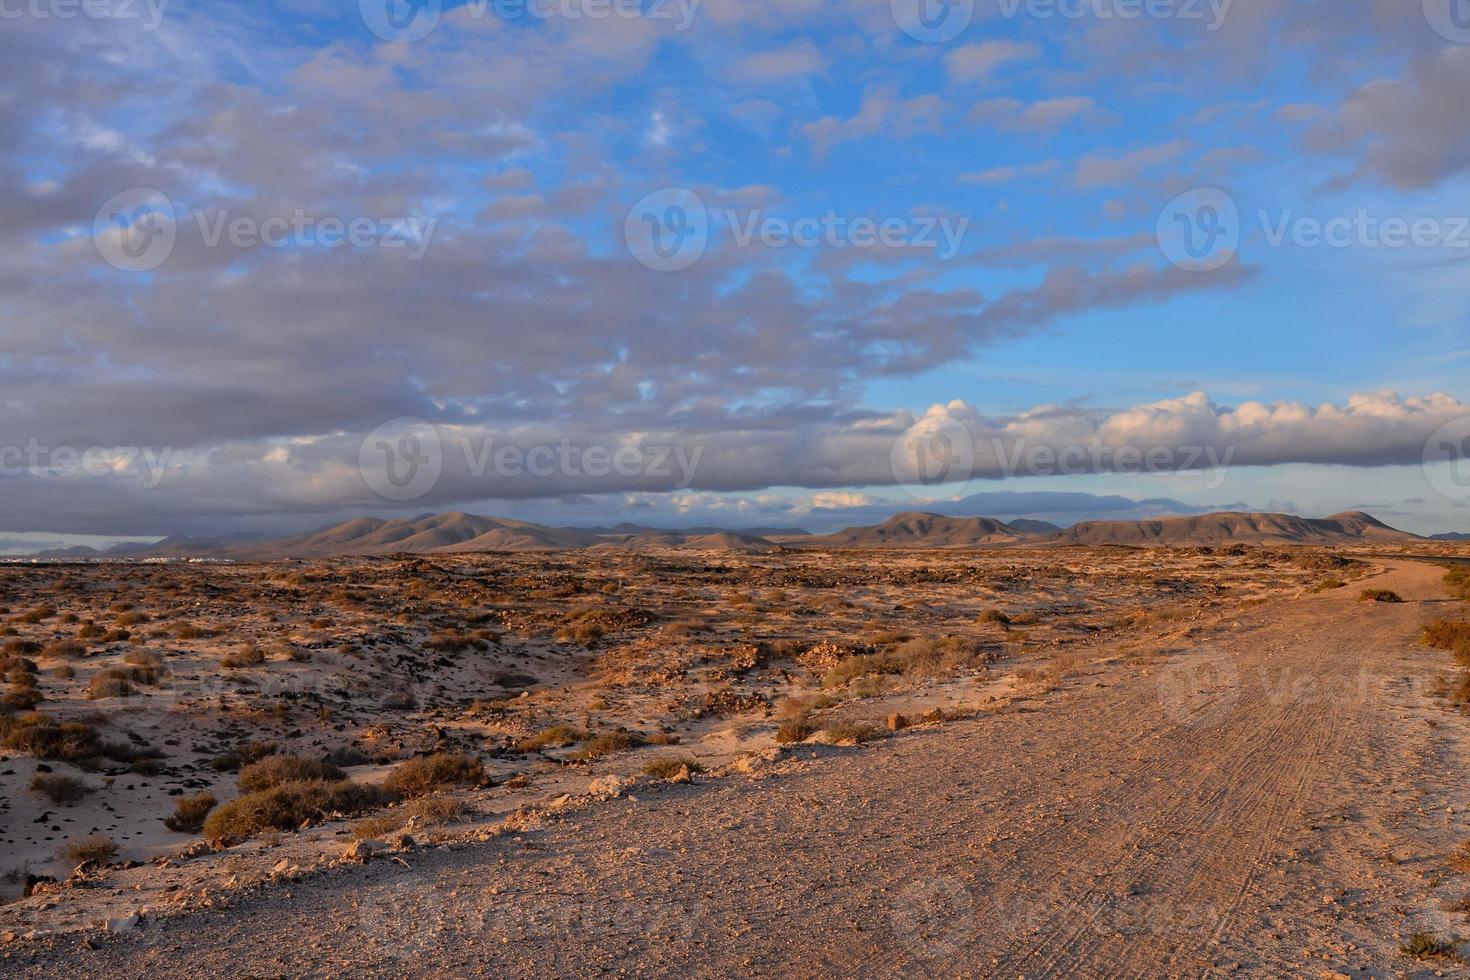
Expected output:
(925, 531)
(1353, 527)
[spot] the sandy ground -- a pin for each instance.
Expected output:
(376, 661)
(1274, 792)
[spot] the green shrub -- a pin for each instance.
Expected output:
(289, 805)
(273, 770)
(419, 777)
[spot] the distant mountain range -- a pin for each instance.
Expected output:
(452, 533)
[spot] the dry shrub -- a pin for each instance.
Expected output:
(1449, 634)
(1457, 580)
(249, 655)
(851, 732)
(420, 777)
(669, 766)
(1379, 595)
(556, 737)
(98, 848)
(796, 730)
(59, 789)
(290, 805)
(242, 755)
(63, 650)
(428, 811)
(911, 658)
(112, 682)
(607, 744)
(190, 812)
(273, 770)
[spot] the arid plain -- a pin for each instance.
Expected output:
(723, 758)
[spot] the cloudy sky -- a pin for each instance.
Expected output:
(266, 265)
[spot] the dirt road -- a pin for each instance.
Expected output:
(1273, 796)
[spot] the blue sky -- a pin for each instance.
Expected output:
(500, 168)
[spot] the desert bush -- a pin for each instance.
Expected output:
(21, 699)
(606, 744)
(143, 658)
(995, 616)
(20, 648)
(242, 755)
(556, 737)
(290, 805)
(1457, 580)
(583, 633)
(427, 811)
(110, 683)
(73, 742)
(1379, 595)
(669, 766)
(1449, 634)
(63, 672)
(116, 636)
(419, 777)
(98, 848)
(59, 789)
(852, 732)
(190, 812)
(797, 729)
(89, 631)
(1424, 946)
(273, 770)
(911, 658)
(37, 614)
(63, 650)
(247, 656)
